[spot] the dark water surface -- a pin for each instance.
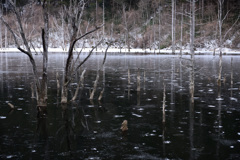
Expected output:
(207, 129)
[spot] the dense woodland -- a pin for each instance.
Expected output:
(150, 24)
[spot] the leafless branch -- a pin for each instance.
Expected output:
(90, 53)
(231, 27)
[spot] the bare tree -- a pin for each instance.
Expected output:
(181, 34)
(126, 28)
(221, 37)
(159, 28)
(6, 38)
(74, 12)
(220, 23)
(103, 19)
(40, 86)
(1, 14)
(173, 25)
(192, 26)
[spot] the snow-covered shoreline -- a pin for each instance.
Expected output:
(226, 51)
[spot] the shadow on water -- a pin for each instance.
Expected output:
(202, 125)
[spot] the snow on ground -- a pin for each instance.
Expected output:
(226, 51)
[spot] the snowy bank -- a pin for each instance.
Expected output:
(226, 51)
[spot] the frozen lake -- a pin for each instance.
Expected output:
(207, 129)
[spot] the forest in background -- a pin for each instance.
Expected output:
(129, 23)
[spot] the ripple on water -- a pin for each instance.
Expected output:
(118, 116)
(233, 99)
(94, 158)
(149, 135)
(219, 99)
(97, 121)
(167, 142)
(3, 117)
(211, 106)
(136, 115)
(233, 89)
(11, 156)
(19, 89)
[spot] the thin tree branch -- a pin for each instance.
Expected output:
(98, 27)
(231, 27)
(90, 53)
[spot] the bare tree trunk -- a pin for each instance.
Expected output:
(6, 38)
(1, 14)
(173, 26)
(202, 8)
(103, 19)
(159, 28)
(63, 30)
(192, 27)
(96, 21)
(220, 22)
(45, 39)
(126, 27)
(192, 37)
(112, 31)
(154, 39)
(181, 38)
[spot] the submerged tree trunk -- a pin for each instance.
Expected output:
(97, 78)
(164, 103)
(80, 84)
(192, 85)
(138, 81)
(219, 70)
(94, 87)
